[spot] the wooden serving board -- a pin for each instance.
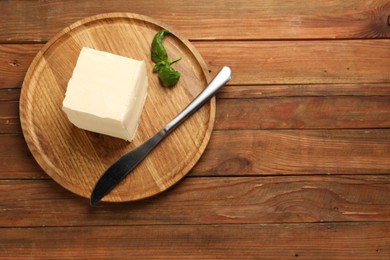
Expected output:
(76, 158)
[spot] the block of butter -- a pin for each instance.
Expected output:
(106, 93)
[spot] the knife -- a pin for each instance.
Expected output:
(125, 164)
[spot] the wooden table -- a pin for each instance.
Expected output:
(298, 166)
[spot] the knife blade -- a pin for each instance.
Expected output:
(129, 161)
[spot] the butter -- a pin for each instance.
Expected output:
(106, 93)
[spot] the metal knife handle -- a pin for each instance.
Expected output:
(218, 81)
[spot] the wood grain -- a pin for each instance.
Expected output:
(9, 117)
(264, 62)
(284, 152)
(220, 19)
(331, 112)
(11, 94)
(304, 113)
(300, 62)
(303, 241)
(304, 90)
(76, 158)
(206, 200)
(16, 160)
(255, 152)
(14, 62)
(15, 59)
(270, 91)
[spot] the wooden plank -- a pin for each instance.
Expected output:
(11, 94)
(14, 62)
(270, 91)
(15, 59)
(261, 62)
(255, 152)
(274, 113)
(303, 241)
(274, 152)
(300, 62)
(270, 19)
(304, 113)
(16, 160)
(308, 90)
(9, 117)
(208, 200)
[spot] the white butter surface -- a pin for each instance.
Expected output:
(106, 93)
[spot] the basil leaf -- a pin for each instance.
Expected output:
(168, 76)
(159, 66)
(158, 51)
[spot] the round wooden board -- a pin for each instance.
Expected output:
(75, 158)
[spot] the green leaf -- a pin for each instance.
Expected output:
(158, 51)
(168, 76)
(159, 65)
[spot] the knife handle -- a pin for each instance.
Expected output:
(222, 77)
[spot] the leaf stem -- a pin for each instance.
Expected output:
(171, 62)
